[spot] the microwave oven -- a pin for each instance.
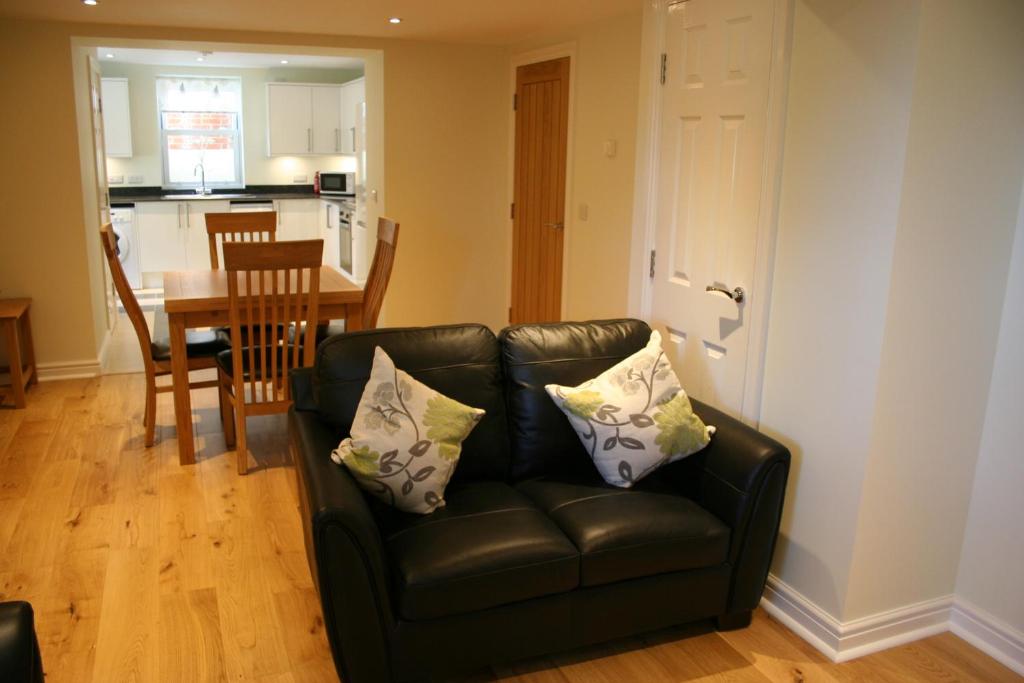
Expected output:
(343, 184)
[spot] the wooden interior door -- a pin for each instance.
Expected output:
(711, 180)
(538, 209)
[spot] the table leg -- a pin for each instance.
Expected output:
(30, 349)
(182, 400)
(353, 317)
(14, 360)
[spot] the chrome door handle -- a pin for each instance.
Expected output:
(736, 294)
(558, 226)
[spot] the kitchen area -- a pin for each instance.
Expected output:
(188, 133)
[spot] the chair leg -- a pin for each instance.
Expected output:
(227, 412)
(149, 418)
(241, 448)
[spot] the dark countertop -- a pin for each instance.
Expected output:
(120, 196)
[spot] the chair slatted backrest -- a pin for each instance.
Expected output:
(124, 292)
(380, 271)
(255, 226)
(282, 279)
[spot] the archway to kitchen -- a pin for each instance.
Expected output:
(191, 127)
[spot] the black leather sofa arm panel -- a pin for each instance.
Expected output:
(741, 478)
(344, 547)
(19, 649)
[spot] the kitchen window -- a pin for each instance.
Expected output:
(200, 132)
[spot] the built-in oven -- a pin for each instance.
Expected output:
(340, 184)
(345, 213)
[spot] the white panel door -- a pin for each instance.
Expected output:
(326, 119)
(711, 166)
(289, 119)
(117, 121)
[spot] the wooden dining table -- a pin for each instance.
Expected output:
(199, 298)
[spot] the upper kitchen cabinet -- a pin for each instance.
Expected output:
(117, 121)
(304, 119)
(353, 94)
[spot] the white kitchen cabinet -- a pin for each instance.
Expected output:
(172, 234)
(297, 219)
(197, 244)
(326, 119)
(289, 119)
(329, 233)
(353, 94)
(161, 237)
(304, 119)
(117, 120)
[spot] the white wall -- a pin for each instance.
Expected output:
(960, 198)
(146, 160)
(993, 549)
(847, 119)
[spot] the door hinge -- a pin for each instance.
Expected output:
(512, 210)
(664, 66)
(515, 101)
(653, 253)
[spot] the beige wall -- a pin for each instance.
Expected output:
(847, 119)
(957, 217)
(445, 149)
(146, 160)
(607, 74)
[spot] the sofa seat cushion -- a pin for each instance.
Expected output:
(488, 546)
(630, 533)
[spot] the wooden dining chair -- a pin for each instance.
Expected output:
(202, 347)
(255, 226)
(376, 282)
(271, 287)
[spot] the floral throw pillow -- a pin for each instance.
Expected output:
(634, 417)
(405, 440)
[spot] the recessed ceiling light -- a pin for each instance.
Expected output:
(284, 61)
(110, 55)
(395, 20)
(91, 3)
(199, 59)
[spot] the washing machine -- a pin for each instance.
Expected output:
(127, 233)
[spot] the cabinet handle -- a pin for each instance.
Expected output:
(337, 139)
(353, 139)
(327, 217)
(178, 206)
(188, 216)
(309, 139)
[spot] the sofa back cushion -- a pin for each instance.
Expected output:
(543, 442)
(459, 361)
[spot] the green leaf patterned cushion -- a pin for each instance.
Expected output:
(406, 439)
(634, 417)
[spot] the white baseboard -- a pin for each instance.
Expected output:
(49, 372)
(994, 637)
(843, 641)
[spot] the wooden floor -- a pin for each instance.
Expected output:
(143, 570)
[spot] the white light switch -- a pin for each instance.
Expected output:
(611, 148)
(583, 212)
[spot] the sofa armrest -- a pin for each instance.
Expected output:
(741, 478)
(19, 648)
(345, 552)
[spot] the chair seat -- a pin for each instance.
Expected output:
(225, 360)
(488, 546)
(283, 332)
(630, 533)
(198, 343)
(323, 331)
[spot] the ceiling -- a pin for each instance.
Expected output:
(239, 60)
(493, 22)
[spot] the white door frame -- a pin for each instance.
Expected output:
(517, 60)
(645, 203)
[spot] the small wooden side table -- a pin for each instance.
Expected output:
(22, 371)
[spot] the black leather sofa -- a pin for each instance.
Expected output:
(533, 553)
(19, 648)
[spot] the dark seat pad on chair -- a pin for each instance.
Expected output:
(225, 360)
(629, 533)
(198, 343)
(488, 546)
